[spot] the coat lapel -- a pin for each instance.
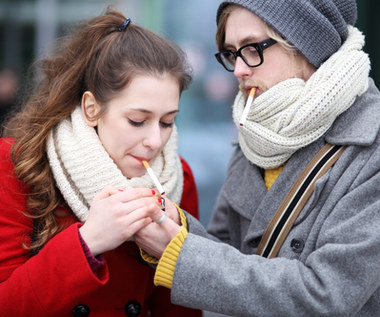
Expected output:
(272, 199)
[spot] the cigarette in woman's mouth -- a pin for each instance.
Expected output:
(154, 178)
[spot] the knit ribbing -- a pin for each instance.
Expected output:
(166, 265)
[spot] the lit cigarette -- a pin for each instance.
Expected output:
(153, 177)
(247, 106)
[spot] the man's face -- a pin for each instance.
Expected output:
(243, 27)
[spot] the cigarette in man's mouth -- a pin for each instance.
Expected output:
(154, 178)
(247, 106)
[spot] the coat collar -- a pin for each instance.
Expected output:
(360, 124)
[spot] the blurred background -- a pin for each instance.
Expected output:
(28, 29)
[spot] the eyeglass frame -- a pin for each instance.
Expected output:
(259, 47)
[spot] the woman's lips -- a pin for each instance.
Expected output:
(140, 158)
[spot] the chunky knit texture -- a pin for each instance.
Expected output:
(82, 167)
(316, 27)
(294, 113)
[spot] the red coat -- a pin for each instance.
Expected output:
(59, 279)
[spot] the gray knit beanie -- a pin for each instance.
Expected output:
(316, 27)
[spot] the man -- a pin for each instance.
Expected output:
(309, 74)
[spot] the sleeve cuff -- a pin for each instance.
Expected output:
(182, 217)
(166, 265)
(147, 257)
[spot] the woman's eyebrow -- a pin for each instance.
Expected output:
(150, 112)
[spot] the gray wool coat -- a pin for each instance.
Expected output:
(329, 265)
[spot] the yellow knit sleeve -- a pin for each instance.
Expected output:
(153, 260)
(166, 265)
(182, 217)
(147, 257)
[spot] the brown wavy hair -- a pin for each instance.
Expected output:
(97, 57)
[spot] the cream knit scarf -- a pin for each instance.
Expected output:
(82, 167)
(294, 113)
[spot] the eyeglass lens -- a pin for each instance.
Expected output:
(249, 54)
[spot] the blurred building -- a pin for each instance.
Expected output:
(29, 27)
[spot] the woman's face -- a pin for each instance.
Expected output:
(138, 122)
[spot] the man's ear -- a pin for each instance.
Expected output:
(90, 109)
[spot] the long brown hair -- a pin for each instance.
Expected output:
(98, 57)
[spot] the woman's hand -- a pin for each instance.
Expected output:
(116, 215)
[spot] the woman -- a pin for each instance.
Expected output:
(73, 188)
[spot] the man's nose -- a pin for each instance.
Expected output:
(242, 69)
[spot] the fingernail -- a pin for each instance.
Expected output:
(159, 200)
(120, 190)
(153, 192)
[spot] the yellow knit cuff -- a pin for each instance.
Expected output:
(147, 257)
(153, 260)
(182, 217)
(166, 265)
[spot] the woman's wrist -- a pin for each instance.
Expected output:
(85, 238)
(95, 262)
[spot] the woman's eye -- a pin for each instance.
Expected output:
(163, 124)
(166, 124)
(135, 123)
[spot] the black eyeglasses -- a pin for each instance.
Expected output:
(251, 54)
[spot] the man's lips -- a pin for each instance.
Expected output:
(248, 88)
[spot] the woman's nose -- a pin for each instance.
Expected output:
(153, 139)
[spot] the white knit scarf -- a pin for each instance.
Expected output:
(294, 113)
(82, 167)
